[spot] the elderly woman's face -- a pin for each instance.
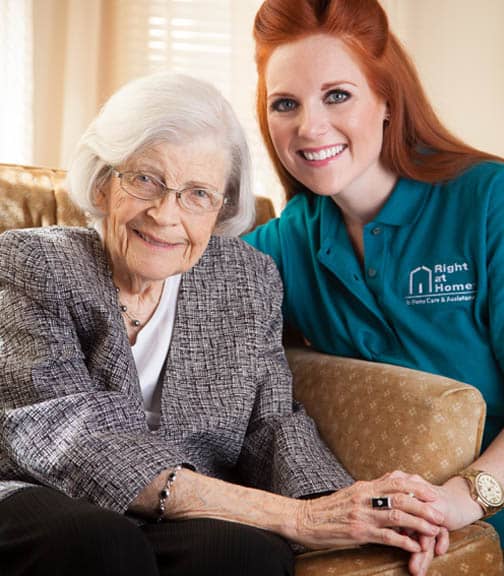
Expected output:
(154, 239)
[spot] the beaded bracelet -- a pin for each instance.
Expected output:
(165, 492)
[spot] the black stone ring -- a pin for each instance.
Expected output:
(382, 502)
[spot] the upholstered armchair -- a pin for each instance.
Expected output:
(374, 417)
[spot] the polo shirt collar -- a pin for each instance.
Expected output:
(404, 203)
(402, 207)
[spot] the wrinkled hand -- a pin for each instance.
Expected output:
(346, 517)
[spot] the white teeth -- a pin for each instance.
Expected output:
(324, 154)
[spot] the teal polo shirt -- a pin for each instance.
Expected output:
(430, 295)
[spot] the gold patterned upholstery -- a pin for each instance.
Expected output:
(375, 417)
(32, 197)
(417, 422)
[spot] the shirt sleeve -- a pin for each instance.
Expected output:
(283, 451)
(58, 426)
(495, 262)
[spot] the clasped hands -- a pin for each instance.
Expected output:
(417, 521)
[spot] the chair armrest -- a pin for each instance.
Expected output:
(377, 417)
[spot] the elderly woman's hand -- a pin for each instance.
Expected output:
(344, 519)
(347, 518)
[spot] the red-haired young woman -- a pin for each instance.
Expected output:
(391, 245)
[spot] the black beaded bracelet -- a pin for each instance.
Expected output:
(165, 492)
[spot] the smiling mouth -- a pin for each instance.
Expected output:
(324, 154)
(156, 241)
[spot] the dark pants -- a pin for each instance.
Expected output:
(45, 533)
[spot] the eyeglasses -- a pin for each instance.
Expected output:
(145, 186)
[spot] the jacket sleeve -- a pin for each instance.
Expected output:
(58, 426)
(283, 451)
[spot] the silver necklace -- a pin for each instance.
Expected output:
(124, 309)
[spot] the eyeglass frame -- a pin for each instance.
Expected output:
(166, 190)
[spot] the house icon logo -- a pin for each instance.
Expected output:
(420, 281)
(441, 283)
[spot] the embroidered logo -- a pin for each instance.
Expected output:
(440, 284)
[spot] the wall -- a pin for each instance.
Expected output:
(458, 46)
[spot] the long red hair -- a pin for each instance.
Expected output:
(415, 142)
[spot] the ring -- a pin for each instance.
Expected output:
(411, 495)
(382, 502)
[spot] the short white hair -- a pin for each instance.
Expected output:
(163, 107)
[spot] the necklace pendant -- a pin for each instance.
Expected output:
(124, 309)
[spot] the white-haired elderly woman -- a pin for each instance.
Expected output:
(147, 424)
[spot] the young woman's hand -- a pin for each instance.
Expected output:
(454, 501)
(431, 546)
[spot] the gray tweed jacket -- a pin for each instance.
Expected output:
(71, 412)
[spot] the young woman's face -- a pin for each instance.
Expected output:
(325, 122)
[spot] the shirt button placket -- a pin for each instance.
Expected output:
(374, 251)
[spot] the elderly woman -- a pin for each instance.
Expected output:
(147, 422)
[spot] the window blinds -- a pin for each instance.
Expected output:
(188, 36)
(208, 39)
